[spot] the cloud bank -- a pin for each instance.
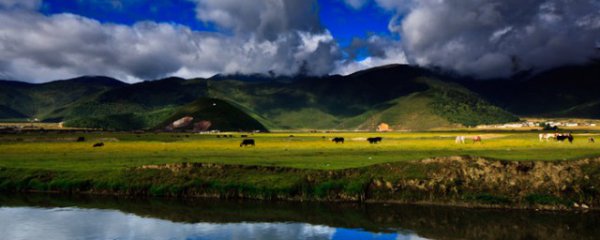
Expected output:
(496, 38)
(482, 38)
(278, 36)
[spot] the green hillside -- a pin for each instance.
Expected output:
(222, 115)
(568, 91)
(442, 105)
(9, 113)
(407, 98)
(412, 112)
(43, 100)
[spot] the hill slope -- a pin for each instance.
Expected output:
(569, 91)
(222, 116)
(40, 100)
(442, 105)
(406, 97)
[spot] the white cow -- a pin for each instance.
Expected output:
(460, 139)
(546, 136)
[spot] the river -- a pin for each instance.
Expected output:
(51, 217)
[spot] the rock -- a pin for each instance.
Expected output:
(377, 183)
(389, 185)
(585, 206)
(575, 205)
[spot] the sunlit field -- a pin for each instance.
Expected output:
(302, 150)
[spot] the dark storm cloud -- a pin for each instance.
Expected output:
(494, 38)
(266, 19)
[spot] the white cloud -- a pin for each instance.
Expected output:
(36, 47)
(356, 4)
(397, 5)
(485, 38)
(369, 62)
(265, 19)
(20, 4)
(381, 51)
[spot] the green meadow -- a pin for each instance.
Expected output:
(59, 152)
(293, 166)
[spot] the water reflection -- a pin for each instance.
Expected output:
(52, 217)
(73, 223)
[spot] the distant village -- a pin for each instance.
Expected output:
(541, 123)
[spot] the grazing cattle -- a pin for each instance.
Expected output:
(563, 137)
(546, 136)
(100, 144)
(244, 136)
(374, 140)
(459, 139)
(338, 140)
(81, 139)
(591, 140)
(477, 139)
(291, 136)
(247, 142)
(218, 136)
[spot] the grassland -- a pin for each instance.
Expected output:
(279, 166)
(304, 150)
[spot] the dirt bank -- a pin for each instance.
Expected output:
(459, 181)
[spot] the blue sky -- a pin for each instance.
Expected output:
(130, 12)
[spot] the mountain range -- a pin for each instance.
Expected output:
(405, 97)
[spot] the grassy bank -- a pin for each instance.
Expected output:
(310, 167)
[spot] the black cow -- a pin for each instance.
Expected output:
(247, 142)
(100, 144)
(338, 140)
(563, 137)
(244, 136)
(374, 140)
(81, 139)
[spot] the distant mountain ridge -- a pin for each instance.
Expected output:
(406, 97)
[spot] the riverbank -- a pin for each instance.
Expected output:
(456, 181)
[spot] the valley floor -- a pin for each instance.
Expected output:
(508, 168)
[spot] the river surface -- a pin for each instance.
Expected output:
(53, 217)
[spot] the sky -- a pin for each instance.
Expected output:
(135, 40)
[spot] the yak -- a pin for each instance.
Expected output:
(374, 140)
(247, 142)
(338, 140)
(100, 144)
(563, 137)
